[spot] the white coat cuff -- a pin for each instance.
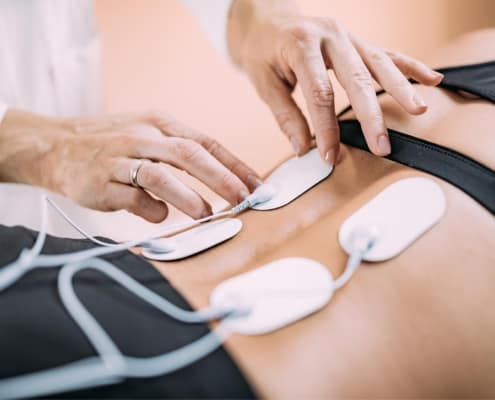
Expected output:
(213, 16)
(3, 109)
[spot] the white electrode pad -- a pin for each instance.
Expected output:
(399, 215)
(274, 295)
(198, 239)
(294, 177)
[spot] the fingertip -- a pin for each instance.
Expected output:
(305, 148)
(418, 105)
(206, 211)
(295, 145)
(437, 77)
(432, 78)
(331, 156)
(253, 181)
(156, 211)
(242, 195)
(383, 147)
(419, 110)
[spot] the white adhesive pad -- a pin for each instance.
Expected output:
(401, 213)
(198, 239)
(294, 177)
(277, 294)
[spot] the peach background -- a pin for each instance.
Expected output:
(156, 57)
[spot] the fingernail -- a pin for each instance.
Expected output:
(418, 100)
(383, 144)
(253, 181)
(437, 74)
(295, 145)
(331, 156)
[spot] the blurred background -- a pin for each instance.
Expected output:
(156, 57)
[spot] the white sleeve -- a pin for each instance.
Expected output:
(213, 17)
(3, 109)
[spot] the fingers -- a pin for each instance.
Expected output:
(311, 73)
(358, 84)
(193, 158)
(118, 196)
(391, 78)
(157, 179)
(278, 96)
(173, 128)
(415, 69)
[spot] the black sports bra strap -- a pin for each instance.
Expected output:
(472, 177)
(476, 79)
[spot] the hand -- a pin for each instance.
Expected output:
(278, 48)
(90, 161)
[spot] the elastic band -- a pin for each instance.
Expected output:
(472, 177)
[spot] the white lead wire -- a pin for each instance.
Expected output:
(30, 259)
(159, 233)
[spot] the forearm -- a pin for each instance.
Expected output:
(246, 14)
(25, 141)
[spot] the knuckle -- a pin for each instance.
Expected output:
(211, 145)
(284, 119)
(129, 140)
(148, 177)
(330, 24)
(393, 55)
(188, 150)
(228, 182)
(400, 84)
(361, 80)
(301, 32)
(377, 57)
(157, 117)
(322, 93)
(375, 121)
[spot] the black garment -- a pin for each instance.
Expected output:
(472, 177)
(476, 79)
(36, 332)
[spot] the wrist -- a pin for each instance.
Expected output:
(248, 18)
(26, 140)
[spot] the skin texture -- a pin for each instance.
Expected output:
(89, 161)
(419, 325)
(300, 51)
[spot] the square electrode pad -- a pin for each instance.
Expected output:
(276, 294)
(295, 177)
(398, 215)
(196, 240)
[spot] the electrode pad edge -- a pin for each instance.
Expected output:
(400, 214)
(198, 239)
(278, 294)
(294, 177)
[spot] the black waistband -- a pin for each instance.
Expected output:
(472, 177)
(37, 333)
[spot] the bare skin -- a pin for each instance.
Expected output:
(420, 325)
